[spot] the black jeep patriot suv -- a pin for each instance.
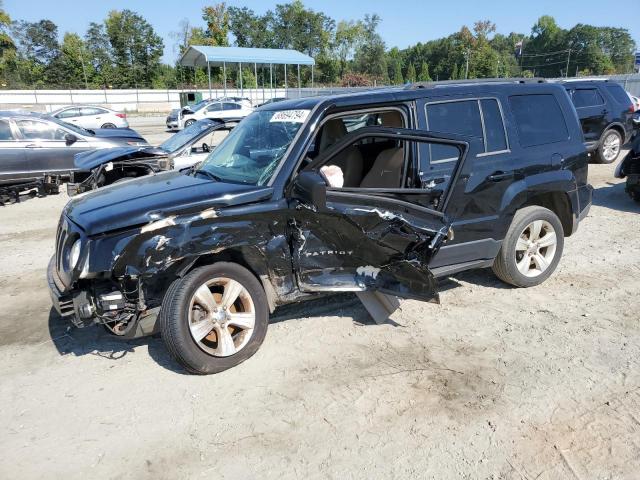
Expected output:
(380, 191)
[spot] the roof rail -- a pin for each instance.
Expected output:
(473, 81)
(584, 79)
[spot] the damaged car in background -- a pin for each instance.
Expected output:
(377, 193)
(37, 151)
(189, 146)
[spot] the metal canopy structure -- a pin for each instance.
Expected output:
(205, 56)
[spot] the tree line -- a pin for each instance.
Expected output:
(124, 50)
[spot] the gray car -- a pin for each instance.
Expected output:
(32, 145)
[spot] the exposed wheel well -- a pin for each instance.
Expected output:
(558, 203)
(617, 128)
(237, 256)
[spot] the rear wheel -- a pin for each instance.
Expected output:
(610, 147)
(108, 125)
(532, 248)
(189, 122)
(214, 318)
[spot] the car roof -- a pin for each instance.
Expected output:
(409, 92)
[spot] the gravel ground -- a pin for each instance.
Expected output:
(493, 383)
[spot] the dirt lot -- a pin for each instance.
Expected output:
(493, 383)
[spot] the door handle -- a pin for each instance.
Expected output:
(499, 176)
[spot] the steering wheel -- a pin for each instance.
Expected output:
(205, 148)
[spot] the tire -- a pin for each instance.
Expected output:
(182, 309)
(189, 122)
(108, 125)
(610, 147)
(542, 261)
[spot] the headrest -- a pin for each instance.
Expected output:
(391, 119)
(332, 131)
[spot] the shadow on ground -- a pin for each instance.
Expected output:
(614, 197)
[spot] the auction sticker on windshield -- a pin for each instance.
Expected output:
(290, 116)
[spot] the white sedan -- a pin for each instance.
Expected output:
(88, 116)
(215, 109)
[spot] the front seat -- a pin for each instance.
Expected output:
(386, 171)
(349, 160)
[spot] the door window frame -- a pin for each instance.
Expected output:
(399, 134)
(482, 124)
(575, 89)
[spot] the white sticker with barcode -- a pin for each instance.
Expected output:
(291, 116)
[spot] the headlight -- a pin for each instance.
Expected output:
(74, 254)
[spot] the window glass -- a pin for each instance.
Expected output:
(68, 113)
(230, 106)
(462, 118)
(90, 111)
(5, 131)
(214, 107)
(493, 126)
(37, 130)
(619, 94)
(587, 97)
(539, 119)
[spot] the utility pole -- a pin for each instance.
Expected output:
(568, 58)
(466, 73)
(84, 71)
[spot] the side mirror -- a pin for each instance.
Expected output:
(636, 119)
(70, 139)
(311, 188)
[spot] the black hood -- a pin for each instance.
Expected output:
(116, 133)
(93, 158)
(146, 199)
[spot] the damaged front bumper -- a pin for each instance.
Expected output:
(84, 307)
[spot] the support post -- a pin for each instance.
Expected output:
(312, 89)
(299, 84)
(209, 75)
(285, 80)
(240, 72)
(255, 75)
(566, 75)
(224, 75)
(271, 79)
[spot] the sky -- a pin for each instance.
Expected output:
(404, 22)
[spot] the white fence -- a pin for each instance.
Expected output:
(123, 100)
(161, 101)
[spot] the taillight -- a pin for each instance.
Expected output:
(121, 115)
(632, 108)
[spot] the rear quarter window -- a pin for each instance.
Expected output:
(587, 97)
(618, 93)
(539, 119)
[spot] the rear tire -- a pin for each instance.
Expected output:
(532, 248)
(189, 122)
(610, 147)
(108, 125)
(214, 318)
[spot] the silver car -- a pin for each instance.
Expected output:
(88, 116)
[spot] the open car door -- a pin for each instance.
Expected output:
(378, 235)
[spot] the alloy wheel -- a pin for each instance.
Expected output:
(221, 317)
(611, 147)
(536, 248)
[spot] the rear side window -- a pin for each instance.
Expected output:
(618, 93)
(587, 97)
(539, 119)
(460, 117)
(493, 126)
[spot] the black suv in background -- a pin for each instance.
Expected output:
(376, 192)
(605, 111)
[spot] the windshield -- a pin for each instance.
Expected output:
(71, 126)
(183, 137)
(252, 151)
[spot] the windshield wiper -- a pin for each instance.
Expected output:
(206, 173)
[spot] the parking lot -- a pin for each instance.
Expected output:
(492, 383)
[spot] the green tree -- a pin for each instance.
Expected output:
(455, 75)
(71, 68)
(348, 36)
(7, 51)
(216, 17)
(411, 74)
(135, 47)
(424, 73)
(370, 55)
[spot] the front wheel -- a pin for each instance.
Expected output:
(532, 248)
(214, 318)
(108, 125)
(189, 122)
